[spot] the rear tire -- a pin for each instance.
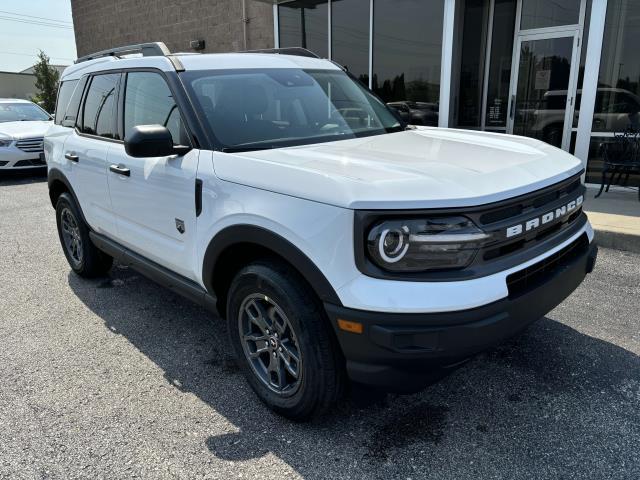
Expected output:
(83, 256)
(283, 341)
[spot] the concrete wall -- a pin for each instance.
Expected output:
(102, 24)
(17, 85)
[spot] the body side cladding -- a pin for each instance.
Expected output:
(159, 274)
(55, 175)
(263, 238)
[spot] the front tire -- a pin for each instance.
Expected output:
(83, 256)
(283, 342)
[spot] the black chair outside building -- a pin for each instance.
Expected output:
(621, 159)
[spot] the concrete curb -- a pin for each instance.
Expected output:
(618, 240)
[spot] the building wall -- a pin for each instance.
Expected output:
(102, 24)
(17, 85)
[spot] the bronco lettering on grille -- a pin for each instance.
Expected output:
(548, 217)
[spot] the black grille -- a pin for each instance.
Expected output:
(531, 277)
(30, 163)
(525, 208)
(3, 163)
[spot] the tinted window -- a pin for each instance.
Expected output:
(71, 113)
(98, 114)
(64, 96)
(350, 36)
(549, 13)
(148, 101)
(407, 51)
(304, 23)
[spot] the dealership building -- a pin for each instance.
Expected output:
(564, 71)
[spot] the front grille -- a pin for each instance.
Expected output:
(31, 145)
(30, 163)
(523, 209)
(535, 275)
(3, 163)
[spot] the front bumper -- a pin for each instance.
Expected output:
(13, 158)
(406, 351)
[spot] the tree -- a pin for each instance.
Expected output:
(46, 82)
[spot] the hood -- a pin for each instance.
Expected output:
(422, 168)
(20, 130)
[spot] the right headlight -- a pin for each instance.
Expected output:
(419, 245)
(5, 142)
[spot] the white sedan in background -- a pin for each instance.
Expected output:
(22, 128)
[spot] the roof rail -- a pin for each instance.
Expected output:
(297, 51)
(157, 49)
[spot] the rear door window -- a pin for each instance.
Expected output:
(99, 105)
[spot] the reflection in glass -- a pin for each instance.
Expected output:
(407, 48)
(500, 64)
(549, 13)
(350, 36)
(543, 80)
(472, 63)
(618, 99)
(303, 23)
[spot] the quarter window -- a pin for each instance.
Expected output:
(64, 96)
(148, 101)
(98, 113)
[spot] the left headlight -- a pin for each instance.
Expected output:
(418, 245)
(5, 142)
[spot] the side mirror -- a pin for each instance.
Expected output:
(146, 141)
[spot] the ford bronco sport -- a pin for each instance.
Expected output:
(338, 243)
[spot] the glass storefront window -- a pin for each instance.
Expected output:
(618, 98)
(549, 13)
(504, 15)
(350, 36)
(472, 64)
(304, 23)
(407, 51)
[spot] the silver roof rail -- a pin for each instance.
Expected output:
(297, 51)
(154, 49)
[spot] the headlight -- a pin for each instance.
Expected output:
(5, 143)
(419, 245)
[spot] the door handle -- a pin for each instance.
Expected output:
(72, 157)
(120, 170)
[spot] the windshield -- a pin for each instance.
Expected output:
(26, 112)
(271, 108)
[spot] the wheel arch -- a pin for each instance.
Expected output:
(59, 184)
(251, 242)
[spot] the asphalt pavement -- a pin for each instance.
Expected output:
(119, 378)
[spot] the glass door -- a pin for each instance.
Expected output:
(543, 93)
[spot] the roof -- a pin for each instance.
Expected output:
(14, 100)
(205, 61)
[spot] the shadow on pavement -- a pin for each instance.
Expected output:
(23, 177)
(549, 403)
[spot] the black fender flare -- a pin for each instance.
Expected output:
(259, 236)
(56, 175)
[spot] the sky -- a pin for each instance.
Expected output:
(27, 26)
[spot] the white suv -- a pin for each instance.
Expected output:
(337, 243)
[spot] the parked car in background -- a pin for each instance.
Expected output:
(22, 128)
(416, 113)
(615, 110)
